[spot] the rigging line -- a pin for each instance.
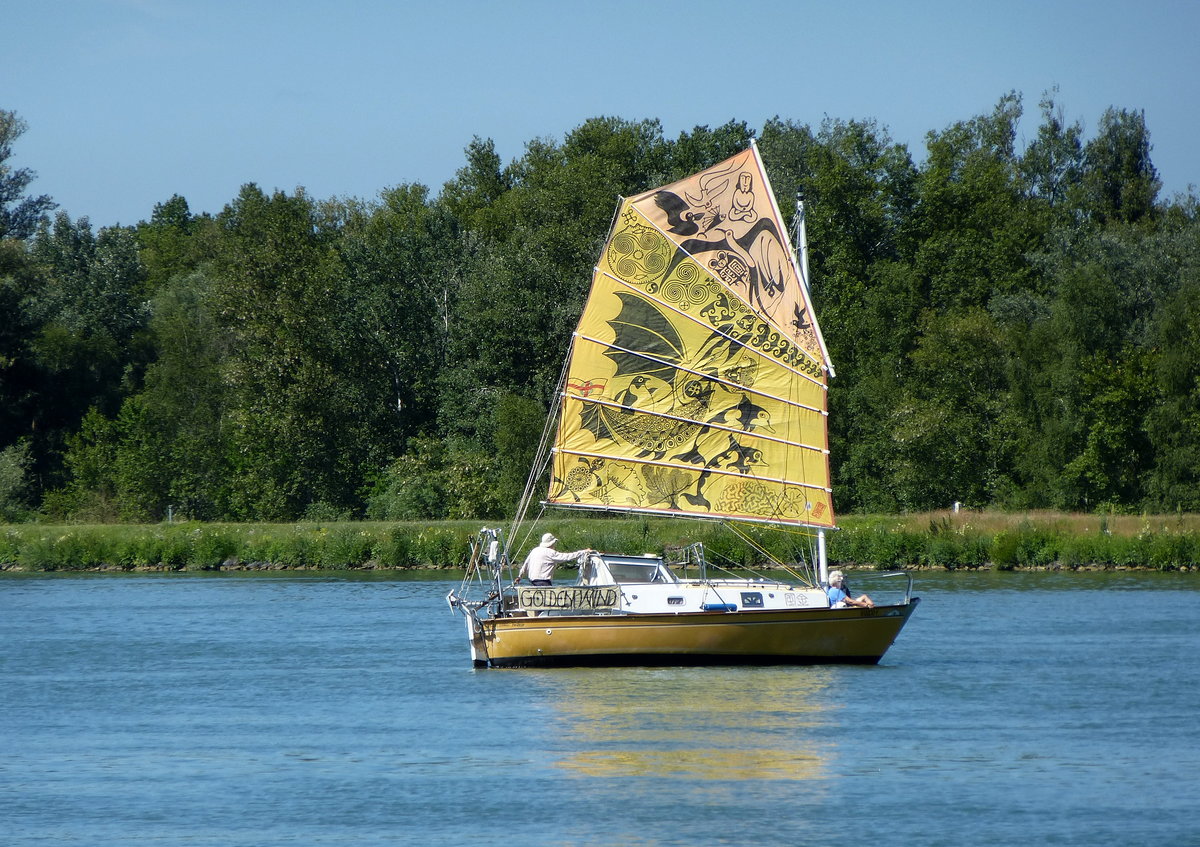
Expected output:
(544, 453)
(526, 538)
(750, 542)
(763, 551)
(741, 569)
(791, 530)
(541, 461)
(712, 556)
(798, 550)
(811, 541)
(469, 570)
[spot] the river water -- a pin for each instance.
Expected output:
(264, 710)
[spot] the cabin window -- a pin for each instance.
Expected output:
(627, 572)
(674, 601)
(752, 600)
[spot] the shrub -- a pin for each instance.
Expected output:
(1168, 551)
(10, 545)
(1078, 550)
(290, 547)
(1130, 551)
(1005, 550)
(395, 549)
(210, 547)
(945, 550)
(440, 548)
(342, 547)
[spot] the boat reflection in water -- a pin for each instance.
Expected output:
(712, 724)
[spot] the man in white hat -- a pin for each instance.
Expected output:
(541, 561)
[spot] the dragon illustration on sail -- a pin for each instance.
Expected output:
(674, 404)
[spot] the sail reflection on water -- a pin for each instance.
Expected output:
(720, 724)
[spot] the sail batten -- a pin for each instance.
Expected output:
(760, 436)
(719, 471)
(667, 513)
(697, 382)
(648, 358)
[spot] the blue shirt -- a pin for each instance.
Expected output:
(836, 595)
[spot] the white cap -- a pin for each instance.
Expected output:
(549, 539)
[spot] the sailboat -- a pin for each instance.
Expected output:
(695, 387)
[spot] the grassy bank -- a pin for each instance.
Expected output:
(934, 540)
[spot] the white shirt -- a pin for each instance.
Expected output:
(541, 560)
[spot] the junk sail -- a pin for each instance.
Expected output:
(697, 381)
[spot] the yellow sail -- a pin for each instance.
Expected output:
(698, 376)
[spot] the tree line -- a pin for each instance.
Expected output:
(1014, 317)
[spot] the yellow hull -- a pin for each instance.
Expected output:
(850, 635)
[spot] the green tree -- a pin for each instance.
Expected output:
(519, 424)
(85, 312)
(14, 465)
(20, 375)
(311, 409)
(1112, 452)
(1173, 420)
(949, 424)
(974, 226)
(1052, 166)
(403, 267)
(277, 279)
(702, 148)
(1120, 182)
(175, 448)
(472, 196)
(19, 215)
(174, 242)
(858, 188)
(90, 493)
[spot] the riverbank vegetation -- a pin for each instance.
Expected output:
(941, 540)
(1013, 312)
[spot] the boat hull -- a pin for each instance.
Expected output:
(805, 636)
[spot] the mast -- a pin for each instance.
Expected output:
(801, 237)
(801, 241)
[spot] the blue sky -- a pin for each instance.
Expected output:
(132, 101)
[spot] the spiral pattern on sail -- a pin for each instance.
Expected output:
(639, 254)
